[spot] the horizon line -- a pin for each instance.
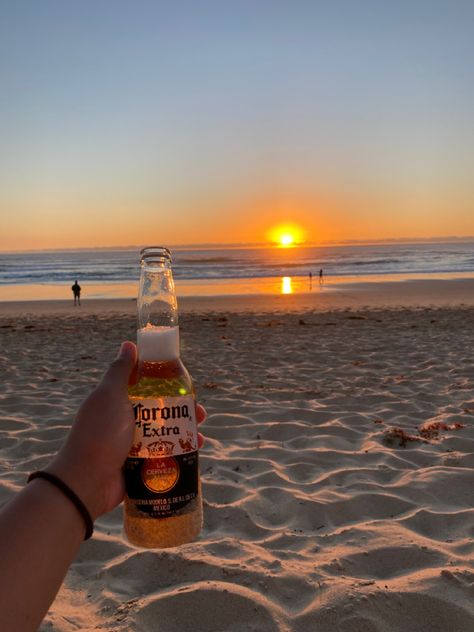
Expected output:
(236, 245)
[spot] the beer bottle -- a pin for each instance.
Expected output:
(163, 503)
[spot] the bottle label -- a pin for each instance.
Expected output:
(161, 471)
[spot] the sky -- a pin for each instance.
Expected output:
(132, 122)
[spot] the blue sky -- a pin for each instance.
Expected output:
(211, 121)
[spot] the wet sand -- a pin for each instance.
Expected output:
(360, 295)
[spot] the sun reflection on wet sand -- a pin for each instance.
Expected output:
(286, 287)
(216, 287)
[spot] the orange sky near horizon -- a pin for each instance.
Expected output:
(326, 218)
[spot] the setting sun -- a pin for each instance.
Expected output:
(286, 240)
(286, 235)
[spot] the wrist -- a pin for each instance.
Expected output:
(68, 493)
(45, 498)
(81, 483)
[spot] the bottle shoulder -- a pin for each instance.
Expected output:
(159, 379)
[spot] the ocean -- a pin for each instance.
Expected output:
(221, 270)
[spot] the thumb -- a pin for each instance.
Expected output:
(119, 371)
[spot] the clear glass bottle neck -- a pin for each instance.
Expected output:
(157, 304)
(158, 332)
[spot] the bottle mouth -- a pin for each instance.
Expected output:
(152, 254)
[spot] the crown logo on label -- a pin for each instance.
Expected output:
(161, 448)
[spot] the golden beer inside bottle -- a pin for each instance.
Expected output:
(160, 470)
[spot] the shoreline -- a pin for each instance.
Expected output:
(353, 296)
(222, 287)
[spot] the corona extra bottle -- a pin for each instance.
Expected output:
(163, 503)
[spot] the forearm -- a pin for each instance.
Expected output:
(40, 534)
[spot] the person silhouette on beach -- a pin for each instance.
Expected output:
(321, 277)
(310, 280)
(76, 290)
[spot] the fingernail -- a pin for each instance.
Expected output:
(126, 349)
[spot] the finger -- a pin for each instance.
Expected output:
(201, 440)
(119, 371)
(201, 413)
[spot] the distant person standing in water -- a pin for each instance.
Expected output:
(76, 290)
(321, 277)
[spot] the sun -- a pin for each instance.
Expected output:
(285, 235)
(287, 240)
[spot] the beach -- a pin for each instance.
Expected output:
(337, 470)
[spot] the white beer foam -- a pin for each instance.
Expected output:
(158, 344)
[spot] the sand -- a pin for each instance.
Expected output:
(326, 297)
(337, 472)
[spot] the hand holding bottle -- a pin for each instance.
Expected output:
(91, 460)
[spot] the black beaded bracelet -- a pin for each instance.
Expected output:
(73, 497)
